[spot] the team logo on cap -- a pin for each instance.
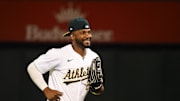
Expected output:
(70, 28)
(86, 26)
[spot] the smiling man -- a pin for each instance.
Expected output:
(68, 66)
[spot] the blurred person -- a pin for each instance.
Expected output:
(67, 66)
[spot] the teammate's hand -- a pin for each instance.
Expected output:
(52, 95)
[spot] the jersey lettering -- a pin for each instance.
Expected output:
(75, 75)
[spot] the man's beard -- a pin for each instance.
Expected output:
(82, 43)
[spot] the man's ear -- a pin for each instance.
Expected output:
(72, 36)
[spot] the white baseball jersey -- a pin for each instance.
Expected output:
(67, 71)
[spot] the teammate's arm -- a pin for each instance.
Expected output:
(38, 79)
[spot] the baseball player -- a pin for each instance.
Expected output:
(67, 66)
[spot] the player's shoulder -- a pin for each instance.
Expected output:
(58, 50)
(92, 52)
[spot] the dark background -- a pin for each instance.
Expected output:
(133, 72)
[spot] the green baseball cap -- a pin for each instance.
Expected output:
(77, 24)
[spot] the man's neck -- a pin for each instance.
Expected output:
(79, 50)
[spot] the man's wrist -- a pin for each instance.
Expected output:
(98, 91)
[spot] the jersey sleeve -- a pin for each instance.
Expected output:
(47, 61)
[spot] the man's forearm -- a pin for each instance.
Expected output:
(36, 76)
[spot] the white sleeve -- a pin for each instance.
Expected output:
(47, 61)
(36, 76)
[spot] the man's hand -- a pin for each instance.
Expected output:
(52, 95)
(95, 76)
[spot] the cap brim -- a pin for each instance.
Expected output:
(66, 34)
